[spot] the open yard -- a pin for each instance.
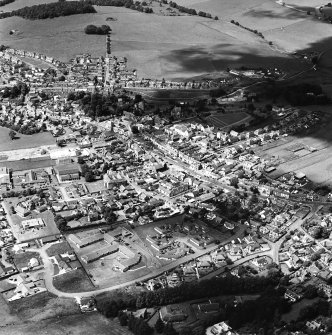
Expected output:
(23, 141)
(158, 46)
(103, 274)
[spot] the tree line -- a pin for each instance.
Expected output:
(122, 3)
(188, 291)
(5, 2)
(51, 10)
(190, 11)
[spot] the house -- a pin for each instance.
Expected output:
(221, 328)
(173, 313)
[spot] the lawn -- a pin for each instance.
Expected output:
(59, 248)
(23, 141)
(73, 281)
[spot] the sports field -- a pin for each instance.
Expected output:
(158, 46)
(316, 165)
(223, 120)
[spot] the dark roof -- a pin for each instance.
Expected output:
(66, 169)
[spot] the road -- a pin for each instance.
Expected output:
(49, 270)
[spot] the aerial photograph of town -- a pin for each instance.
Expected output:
(165, 167)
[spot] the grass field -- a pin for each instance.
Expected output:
(58, 248)
(73, 281)
(158, 46)
(79, 324)
(23, 141)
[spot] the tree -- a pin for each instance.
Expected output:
(61, 223)
(12, 134)
(89, 177)
(310, 292)
(169, 330)
(159, 326)
(123, 318)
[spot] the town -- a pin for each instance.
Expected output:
(154, 196)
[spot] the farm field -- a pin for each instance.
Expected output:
(281, 25)
(23, 141)
(157, 46)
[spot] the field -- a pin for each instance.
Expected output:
(23, 141)
(222, 120)
(158, 46)
(73, 281)
(79, 324)
(46, 314)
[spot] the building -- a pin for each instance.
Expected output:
(173, 313)
(85, 241)
(33, 224)
(172, 190)
(67, 172)
(221, 328)
(97, 254)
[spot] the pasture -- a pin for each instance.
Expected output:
(23, 141)
(157, 46)
(281, 25)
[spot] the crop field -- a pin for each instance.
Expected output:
(157, 46)
(223, 120)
